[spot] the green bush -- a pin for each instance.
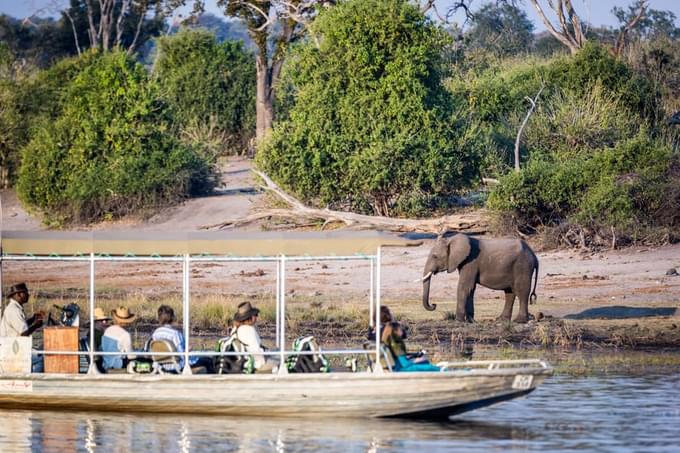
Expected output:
(11, 132)
(630, 186)
(111, 151)
(211, 88)
(371, 127)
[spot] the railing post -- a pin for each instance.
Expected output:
(278, 303)
(92, 369)
(377, 368)
(370, 295)
(282, 340)
(185, 312)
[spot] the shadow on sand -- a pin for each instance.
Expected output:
(621, 312)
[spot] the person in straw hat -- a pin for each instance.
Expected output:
(244, 327)
(117, 339)
(14, 322)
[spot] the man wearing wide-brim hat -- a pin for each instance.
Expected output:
(244, 326)
(117, 339)
(14, 322)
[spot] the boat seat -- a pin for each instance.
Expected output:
(387, 359)
(164, 363)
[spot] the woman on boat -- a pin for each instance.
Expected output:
(166, 316)
(244, 327)
(386, 317)
(393, 337)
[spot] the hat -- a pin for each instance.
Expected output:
(16, 289)
(99, 315)
(245, 311)
(122, 315)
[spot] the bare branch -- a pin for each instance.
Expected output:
(73, 27)
(574, 38)
(524, 123)
(621, 39)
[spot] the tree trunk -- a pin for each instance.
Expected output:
(264, 107)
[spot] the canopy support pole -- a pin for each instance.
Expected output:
(377, 368)
(370, 294)
(185, 312)
(282, 324)
(278, 303)
(93, 366)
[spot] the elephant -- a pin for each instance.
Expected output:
(503, 264)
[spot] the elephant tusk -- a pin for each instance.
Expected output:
(429, 274)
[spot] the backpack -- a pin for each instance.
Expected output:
(307, 363)
(233, 364)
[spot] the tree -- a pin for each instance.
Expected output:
(109, 24)
(568, 30)
(208, 83)
(503, 29)
(372, 128)
(111, 151)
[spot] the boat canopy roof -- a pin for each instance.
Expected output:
(243, 244)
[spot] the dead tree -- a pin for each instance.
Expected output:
(569, 29)
(471, 222)
(524, 123)
(632, 22)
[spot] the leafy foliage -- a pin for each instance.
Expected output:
(205, 83)
(502, 29)
(371, 128)
(112, 150)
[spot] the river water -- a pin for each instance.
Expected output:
(597, 413)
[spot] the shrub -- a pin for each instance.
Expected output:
(371, 127)
(112, 151)
(630, 187)
(11, 132)
(207, 82)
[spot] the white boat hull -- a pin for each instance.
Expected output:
(426, 395)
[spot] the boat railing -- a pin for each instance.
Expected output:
(495, 364)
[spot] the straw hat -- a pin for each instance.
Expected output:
(99, 315)
(245, 311)
(122, 315)
(16, 289)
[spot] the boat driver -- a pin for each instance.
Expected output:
(14, 322)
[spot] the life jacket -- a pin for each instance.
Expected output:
(307, 363)
(233, 364)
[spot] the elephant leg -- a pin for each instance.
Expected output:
(470, 306)
(523, 314)
(461, 299)
(507, 308)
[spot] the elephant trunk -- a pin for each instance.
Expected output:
(426, 293)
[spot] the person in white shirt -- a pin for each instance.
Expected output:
(117, 339)
(14, 322)
(244, 326)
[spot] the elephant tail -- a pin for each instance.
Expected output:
(532, 297)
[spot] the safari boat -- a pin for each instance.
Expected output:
(375, 392)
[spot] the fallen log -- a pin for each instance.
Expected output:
(471, 222)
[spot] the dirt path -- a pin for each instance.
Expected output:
(234, 198)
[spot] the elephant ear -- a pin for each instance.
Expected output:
(459, 250)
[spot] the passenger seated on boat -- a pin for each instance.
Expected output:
(393, 337)
(117, 339)
(244, 327)
(386, 317)
(166, 316)
(15, 324)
